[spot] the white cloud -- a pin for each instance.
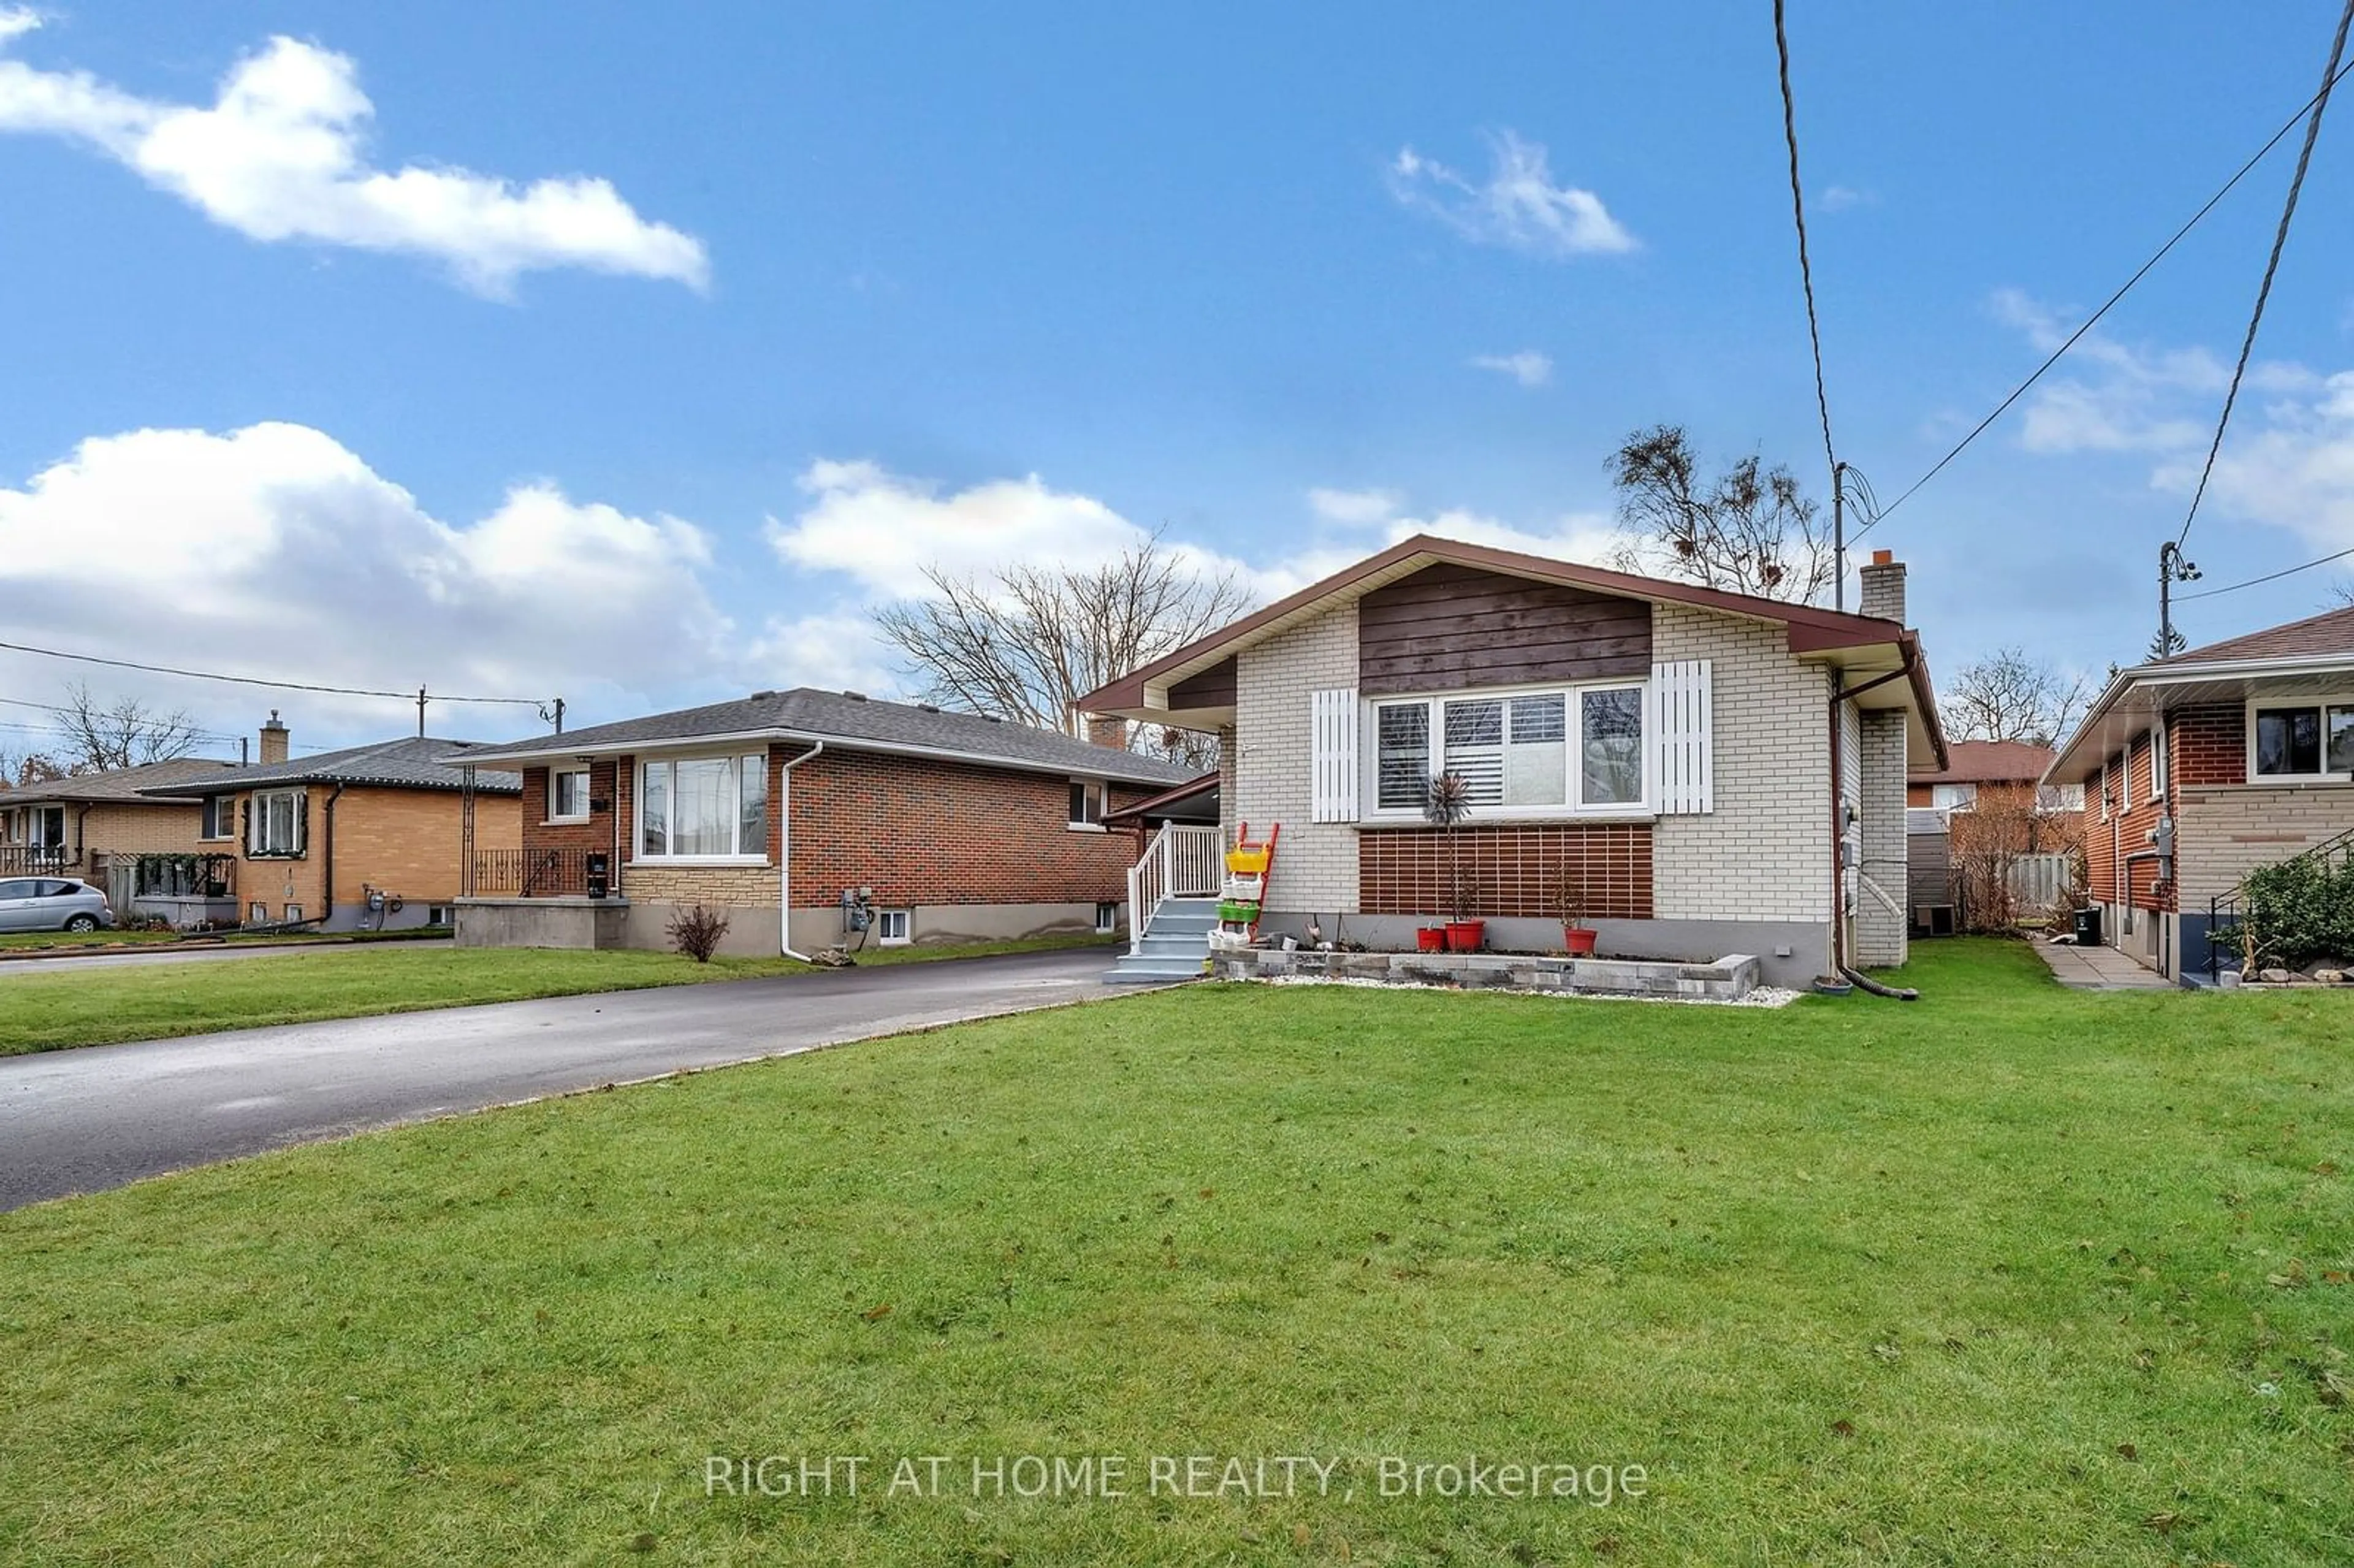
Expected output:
(279, 156)
(2287, 461)
(885, 529)
(1841, 198)
(1528, 367)
(1354, 508)
(275, 551)
(1517, 206)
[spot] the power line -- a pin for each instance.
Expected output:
(2272, 263)
(2268, 576)
(1799, 215)
(257, 681)
(2093, 319)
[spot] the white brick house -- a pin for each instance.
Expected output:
(1666, 753)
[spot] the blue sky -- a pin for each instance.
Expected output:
(863, 287)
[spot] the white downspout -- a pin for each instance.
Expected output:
(785, 853)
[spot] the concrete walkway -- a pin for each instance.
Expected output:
(2098, 969)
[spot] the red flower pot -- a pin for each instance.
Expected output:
(1578, 940)
(1465, 936)
(1430, 939)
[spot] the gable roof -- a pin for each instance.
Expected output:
(2332, 631)
(1989, 762)
(855, 724)
(418, 762)
(115, 786)
(1811, 630)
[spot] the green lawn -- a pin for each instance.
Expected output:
(78, 1003)
(51, 941)
(2009, 1275)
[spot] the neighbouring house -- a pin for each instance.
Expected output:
(96, 826)
(1988, 840)
(1704, 773)
(368, 838)
(2201, 768)
(797, 813)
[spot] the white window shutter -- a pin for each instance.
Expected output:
(1683, 758)
(1332, 720)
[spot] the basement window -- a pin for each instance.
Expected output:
(894, 927)
(1107, 919)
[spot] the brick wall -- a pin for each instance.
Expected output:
(2113, 842)
(1881, 933)
(1763, 854)
(2210, 744)
(924, 832)
(123, 830)
(1316, 863)
(596, 833)
(409, 842)
(1507, 871)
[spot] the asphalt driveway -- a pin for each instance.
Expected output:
(81, 1121)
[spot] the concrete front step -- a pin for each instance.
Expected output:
(1176, 941)
(1129, 972)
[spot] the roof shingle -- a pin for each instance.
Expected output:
(839, 716)
(121, 786)
(418, 762)
(2331, 632)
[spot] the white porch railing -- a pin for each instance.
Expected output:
(1181, 862)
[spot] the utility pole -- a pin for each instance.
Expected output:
(560, 716)
(1839, 535)
(420, 713)
(2171, 569)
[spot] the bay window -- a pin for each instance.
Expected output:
(1558, 751)
(2302, 740)
(704, 808)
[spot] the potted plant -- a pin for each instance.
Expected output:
(1576, 936)
(1448, 804)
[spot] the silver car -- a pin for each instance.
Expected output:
(52, 904)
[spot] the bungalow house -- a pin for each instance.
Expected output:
(1702, 772)
(93, 826)
(800, 814)
(2200, 769)
(369, 838)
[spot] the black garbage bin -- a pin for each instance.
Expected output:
(2088, 927)
(599, 878)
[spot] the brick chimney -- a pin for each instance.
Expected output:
(1111, 732)
(1884, 588)
(273, 740)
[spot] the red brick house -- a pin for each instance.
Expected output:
(775, 808)
(2200, 769)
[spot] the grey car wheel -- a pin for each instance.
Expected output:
(82, 923)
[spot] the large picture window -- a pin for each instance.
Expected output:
(1555, 752)
(2303, 740)
(704, 808)
(275, 824)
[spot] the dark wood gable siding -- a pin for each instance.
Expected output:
(1213, 688)
(1448, 627)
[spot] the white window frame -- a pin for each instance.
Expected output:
(218, 819)
(1106, 918)
(735, 817)
(258, 845)
(2105, 788)
(2157, 763)
(555, 776)
(2057, 800)
(1963, 797)
(2124, 777)
(2323, 705)
(1098, 797)
(884, 920)
(39, 836)
(1574, 807)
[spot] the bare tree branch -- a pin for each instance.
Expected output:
(1026, 642)
(2008, 695)
(1751, 530)
(96, 736)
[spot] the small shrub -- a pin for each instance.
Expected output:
(2305, 909)
(697, 932)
